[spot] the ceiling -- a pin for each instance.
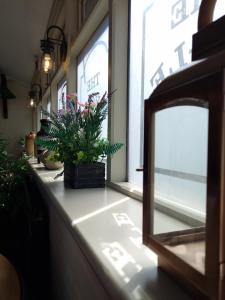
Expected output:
(23, 24)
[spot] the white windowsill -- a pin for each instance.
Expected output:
(104, 223)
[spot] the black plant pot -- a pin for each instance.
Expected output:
(84, 176)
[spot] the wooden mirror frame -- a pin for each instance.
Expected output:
(206, 10)
(210, 38)
(210, 88)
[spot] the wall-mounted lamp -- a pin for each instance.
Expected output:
(47, 46)
(35, 96)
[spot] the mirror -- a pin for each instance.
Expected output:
(180, 181)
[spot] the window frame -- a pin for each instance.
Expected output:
(118, 81)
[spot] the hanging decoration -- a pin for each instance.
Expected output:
(5, 94)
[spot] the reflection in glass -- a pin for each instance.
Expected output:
(180, 177)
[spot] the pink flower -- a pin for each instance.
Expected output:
(71, 96)
(85, 111)
(81, 104)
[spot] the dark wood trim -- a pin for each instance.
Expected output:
(181, 237)
(206, 11)
(147, 203)
(214, 183)
(210, 40)
(222, 219)
(210, 36)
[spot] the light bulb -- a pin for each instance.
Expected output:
(47, 62)
(31, 102)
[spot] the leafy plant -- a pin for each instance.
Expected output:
(12, 176)
(75, 133)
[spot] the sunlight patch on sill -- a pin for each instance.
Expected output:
(99, 211)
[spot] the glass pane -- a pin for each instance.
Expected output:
(180, 177)
(219, 9)
(160, 43)
(92, 71)
(62, 90)
(49, 104)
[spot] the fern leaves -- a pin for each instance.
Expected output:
(76, 134)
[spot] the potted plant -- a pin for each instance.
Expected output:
(75, 134)
(14, 204)
(51, 161)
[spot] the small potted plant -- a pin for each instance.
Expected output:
(51, 161)
(75, 134)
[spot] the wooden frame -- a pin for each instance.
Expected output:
(206, 13)
(209, 40)
(204, 90)
(210, 36)
(181, 236)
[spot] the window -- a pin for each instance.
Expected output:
(62, 88)
(160, 43)
(49, 104)
(92, 70)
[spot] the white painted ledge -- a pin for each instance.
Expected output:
(107, 227)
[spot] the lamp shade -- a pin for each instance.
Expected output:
(35, 95)
(48, 48)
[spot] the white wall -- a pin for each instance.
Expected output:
(19, 121)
